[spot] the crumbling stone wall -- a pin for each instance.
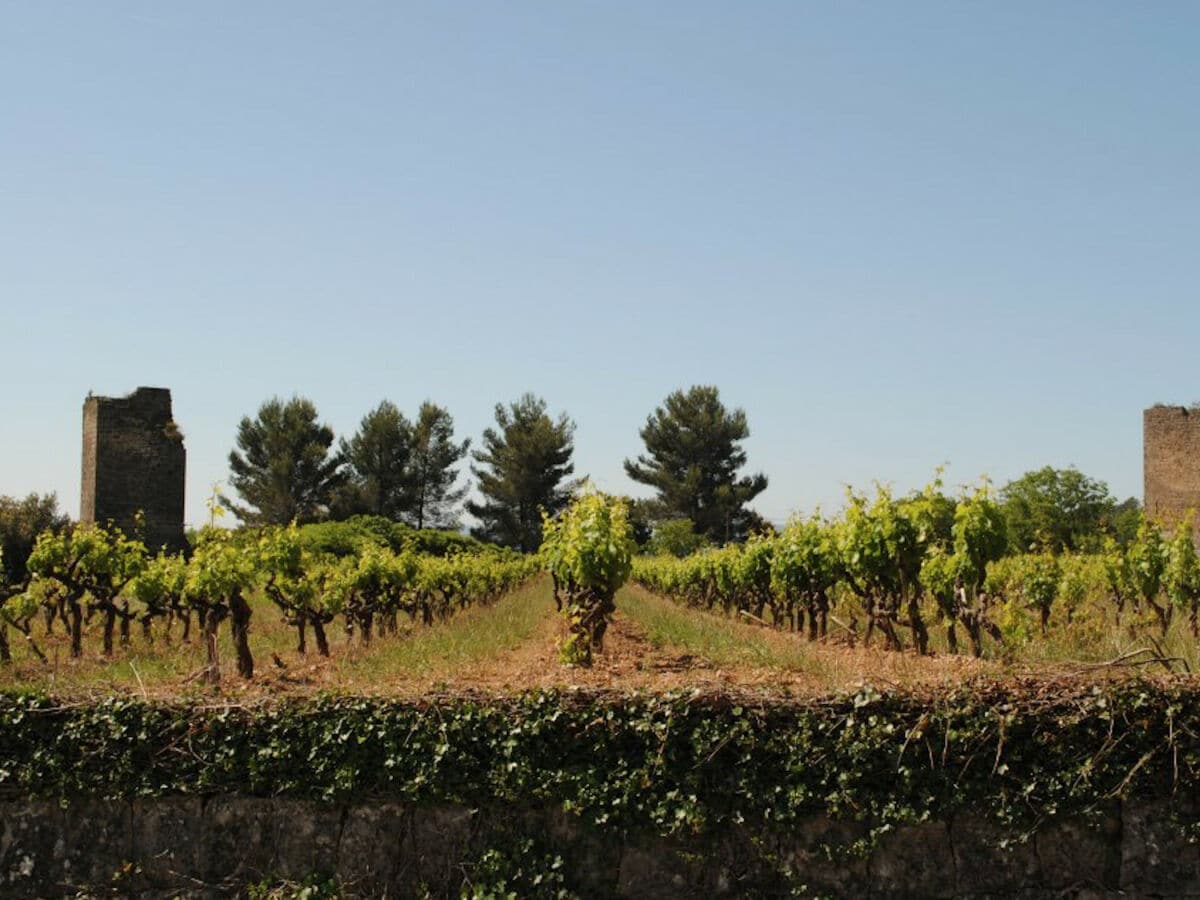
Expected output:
(1171, 443)
(134, 460)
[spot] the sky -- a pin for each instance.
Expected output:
(897, 235)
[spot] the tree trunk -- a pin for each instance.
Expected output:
(319, 634)
(1164, 616)
(301, 641)
(920, 633)
(951, 636)
(240, 629)
(974, 636)
(5, 653)
(125, 627)
(110, 622)
(147, 635)
(211, 623)
(76, 614)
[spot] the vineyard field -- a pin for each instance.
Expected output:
(511, 645)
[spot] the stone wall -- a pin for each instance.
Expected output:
(193, 847)
(134, 460)
(1171, 444)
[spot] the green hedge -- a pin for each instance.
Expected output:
(667, 763)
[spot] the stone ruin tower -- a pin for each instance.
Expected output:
(133, 459)
(1171, 444)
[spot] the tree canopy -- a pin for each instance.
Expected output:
(1062, 509)
(377, 459)
(522, 468)
(693, 454)
(21, 521)
(284, 470)
(432, 496)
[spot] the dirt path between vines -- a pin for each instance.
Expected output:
(631, 661)
(628, 662)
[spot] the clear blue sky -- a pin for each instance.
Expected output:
(896, 234)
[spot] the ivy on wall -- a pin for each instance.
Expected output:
(671, 764)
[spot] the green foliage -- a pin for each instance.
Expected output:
(1182, 576)
(693, 454)
(89, 569)
(675, 537)
(316, 887)
(882, 543)
(377, 462)
(433, 499)
(305, 586)
(1056, 510)
(588, 550)
(403, 470)
(219, 574)
(1117, 573)
(92, 564)
(1147, 559)
(980, 535)
(805, 567)
(521, 869)
(349, 536)
(283, 468)
(159, 587)
(1082, 576)
(1038, 579)
(666, 764)
(21, 521)
(522, 468)
(940, 576)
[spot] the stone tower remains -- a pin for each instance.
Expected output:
(1171, 466)
(133, 460)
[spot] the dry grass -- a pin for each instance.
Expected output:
(786, 660)
(405, 664)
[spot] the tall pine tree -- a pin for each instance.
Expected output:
(522, 467)
(693, 453)
(377, 463)
(283, 468)
(431, 495)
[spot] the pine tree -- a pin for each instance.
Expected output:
(284, 471)
(521, 470)
(431, 495)
(377, 463)
(692, 457)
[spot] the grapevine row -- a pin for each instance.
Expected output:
(904, 562)
(92, 572)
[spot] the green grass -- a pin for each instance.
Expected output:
(1091, 639)
(716, 639)
(472, 636)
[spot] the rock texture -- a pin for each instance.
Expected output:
(193, 847)
(134, 461)
(1171, 465)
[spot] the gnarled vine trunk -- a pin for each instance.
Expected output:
(239, 626)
